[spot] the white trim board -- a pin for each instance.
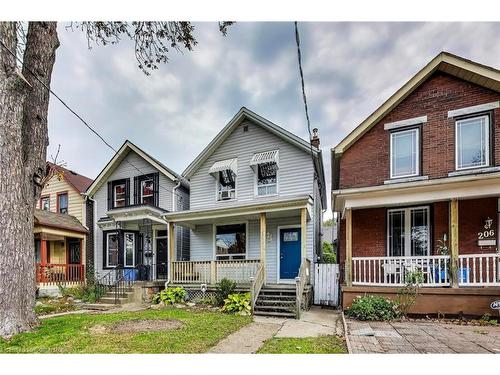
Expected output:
(473, 109)
(407, 122)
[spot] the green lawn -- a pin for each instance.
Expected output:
(77, 333)
(307, 345)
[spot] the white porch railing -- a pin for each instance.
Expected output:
(211, 272)
(479, 270)
(392, 271)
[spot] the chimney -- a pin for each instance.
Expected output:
(315, 138)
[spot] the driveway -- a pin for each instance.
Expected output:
(421, 337)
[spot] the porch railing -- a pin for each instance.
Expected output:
(53, 274)
(303, 278)
(211, 272)
(479, 270)
(393, 271)
(256, 283)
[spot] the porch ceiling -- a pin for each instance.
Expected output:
(461, 187)
(276, 209)
(137, 214)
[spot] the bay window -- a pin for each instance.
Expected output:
(408, 231)
(404, 153)
(472, 142)
(129, 249)
(230, 242)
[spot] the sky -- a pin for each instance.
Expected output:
(349, 69)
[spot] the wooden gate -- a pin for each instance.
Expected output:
(326, 284)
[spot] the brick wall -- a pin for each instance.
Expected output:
(366, 163)
(471, 216)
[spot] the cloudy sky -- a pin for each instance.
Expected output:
(350, 69)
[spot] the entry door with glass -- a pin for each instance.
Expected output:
(408, 232)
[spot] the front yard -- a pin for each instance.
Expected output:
(150, 331)
(305, 345)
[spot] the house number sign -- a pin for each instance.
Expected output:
(487, 236)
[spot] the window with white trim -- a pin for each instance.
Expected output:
(472, 142)
(129, 249)
(45, 203)
(408, 231)
(119, 195)
(404, 154)
(112, 249)
(230, 241)
(267, 178)
(226, 185)
(147, 191)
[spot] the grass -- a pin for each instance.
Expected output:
(52, 306)
(307, 345)
(70, 333)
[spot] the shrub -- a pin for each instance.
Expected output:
(90, 292)
(223, 290)
(237, 303)
(371, 307)
(328, 255)
(170, 296)
(407, 295)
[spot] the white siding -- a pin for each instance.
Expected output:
(295, 175)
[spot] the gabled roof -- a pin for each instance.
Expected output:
(246, 114)
(77, 181)
(120, 155)
(457, 66)
(59, 221)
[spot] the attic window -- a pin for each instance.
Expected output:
(245, 128)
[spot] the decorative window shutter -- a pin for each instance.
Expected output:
(136, 190)
(156, 183)
(104, 248)
(121, 247)
(127, 192)
(139, 247)
(110, 195)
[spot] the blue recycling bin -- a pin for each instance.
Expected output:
(131, 274)
(463, 275)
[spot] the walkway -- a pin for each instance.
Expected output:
(421, 337)
(249, 339)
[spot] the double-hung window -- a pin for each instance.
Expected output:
(129, 249)
(112, 249)
(472, 142)
(405, 155)
(119, 194)
(147, 191)
(45, 203)
(265, 166)
(408, 231)
(62, 203)
(224, 173)
(230, 242)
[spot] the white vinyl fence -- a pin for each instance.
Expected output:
(326, 284)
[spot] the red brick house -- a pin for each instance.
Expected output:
(417, 186)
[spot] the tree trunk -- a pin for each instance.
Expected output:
(23, 142)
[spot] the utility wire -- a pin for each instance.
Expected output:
(304, 97)
(80, 117)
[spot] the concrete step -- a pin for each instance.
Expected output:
(272, 308)
(98, 306)
(275, 314)
(111, 300)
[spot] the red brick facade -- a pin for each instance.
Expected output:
(366, 163)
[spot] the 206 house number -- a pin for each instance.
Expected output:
(486, 234)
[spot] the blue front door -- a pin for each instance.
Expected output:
(289, 253)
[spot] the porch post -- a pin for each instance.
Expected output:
(171, 250)
(263, 241)
(43, 251)
(454, 242)
(303, 234)
(348, 246)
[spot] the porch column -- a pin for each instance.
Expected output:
(171, 250)
(348, 246)
(454, 242)
(303, 234)
(263, 240)
(43, 251)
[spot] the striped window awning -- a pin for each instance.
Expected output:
(224, 165)
(264, 157)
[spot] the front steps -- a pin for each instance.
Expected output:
(109, 297)
(276, 301)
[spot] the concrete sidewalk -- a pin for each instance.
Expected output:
(313, 323)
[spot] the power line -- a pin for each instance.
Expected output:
(80, 117)
(304, 97)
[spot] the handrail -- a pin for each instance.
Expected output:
(303, 278)
(256, 283)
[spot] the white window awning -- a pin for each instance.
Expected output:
(264, 157)
(224, 165)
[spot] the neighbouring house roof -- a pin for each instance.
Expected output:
(77, 181)
(457, 66)
(59, 221)
(246, 114)
(120, 156)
